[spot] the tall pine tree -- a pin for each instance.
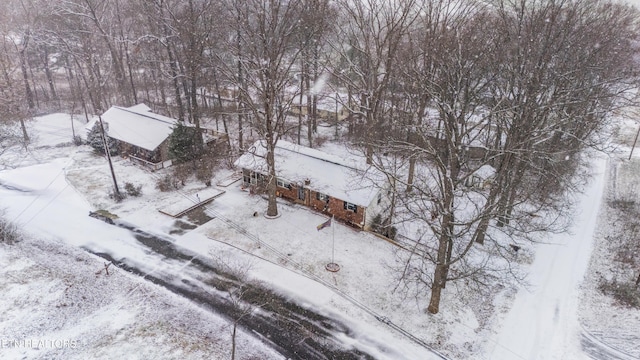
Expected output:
(94, 138)
(182, 143)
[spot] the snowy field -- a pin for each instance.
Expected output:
(121, 314)
(56, 303)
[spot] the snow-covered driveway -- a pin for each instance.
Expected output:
(543, 322)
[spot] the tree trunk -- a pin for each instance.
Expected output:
(412, 169)
(25, 136)
(184, 83)
(314, 114)
(224, 118)
(233, 340)
(444, 250)
(369, 153)
(195, 116)
(310, 119)
(481, 230)
(116, 58)
(272, 208)
(47, 72)
(369, 130)
(83, 101)
(173, 70)
(158, 81)
(90, 81)
(483, 224)
(25, 77)
(34, 86)
(439, 277)
(447, 261)
(271, 114)
(300, 108)
(241, 90)
(133, 86)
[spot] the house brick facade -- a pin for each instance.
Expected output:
(349, 213)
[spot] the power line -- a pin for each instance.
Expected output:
(39, 195)
(47, 204)
(300, 268)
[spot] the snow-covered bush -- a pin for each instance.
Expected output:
(383, 227)
(625, 250)
(168, 183)
(77, 140)
(204, 169)
(9, 233)
(625, 293)
(182, 171)
(133, 190)
(320, 140)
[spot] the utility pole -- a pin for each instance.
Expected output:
(337, 118)
(634, 143)
(106, 151)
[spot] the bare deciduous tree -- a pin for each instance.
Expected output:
(371, 33)
(267, 52)
(498, 147)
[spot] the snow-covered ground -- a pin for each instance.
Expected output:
(543, 320)
(602, 316)
(44, 197)
(56, 304)
(50, 190)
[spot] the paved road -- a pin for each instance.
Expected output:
(598, 350)
(294, 331)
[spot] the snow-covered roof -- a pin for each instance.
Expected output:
(138, 126)
(485, 171)
(142, 107)
(327, 173)
(324, 102)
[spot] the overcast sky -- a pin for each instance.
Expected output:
(636, 3)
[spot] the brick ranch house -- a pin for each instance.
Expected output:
(321, 181)
(143, 136)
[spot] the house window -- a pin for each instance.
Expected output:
(351, 207)
(282, 183)
(246, 176)
(254, 178)
(322, 197)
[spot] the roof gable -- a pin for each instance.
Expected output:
(137, 126)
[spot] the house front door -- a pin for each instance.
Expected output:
(301, 193)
